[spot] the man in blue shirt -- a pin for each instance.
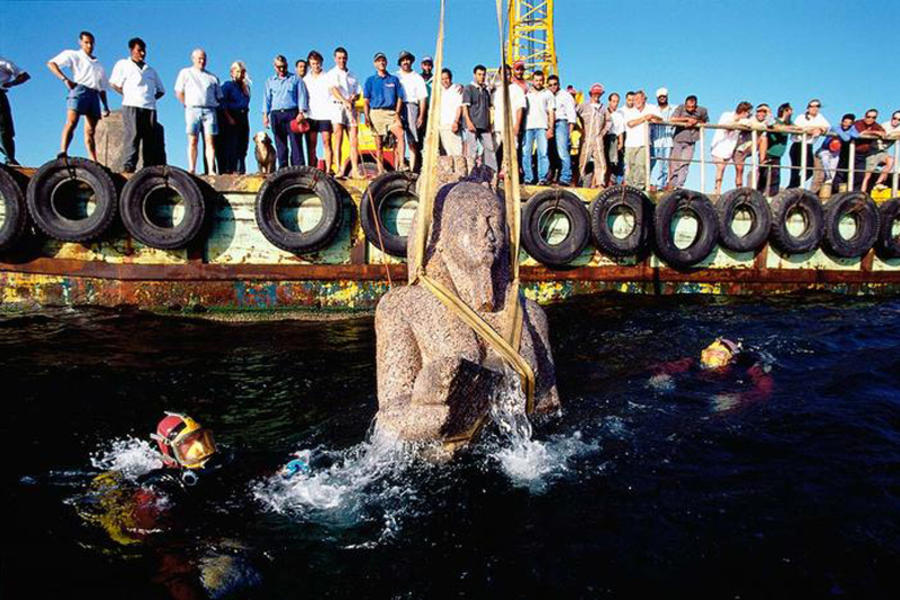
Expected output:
(383, 98)
(285, 100)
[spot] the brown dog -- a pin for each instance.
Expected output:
(265, 153)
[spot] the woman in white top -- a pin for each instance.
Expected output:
(321, 107)
(725, 140)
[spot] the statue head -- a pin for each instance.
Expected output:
(473, 244)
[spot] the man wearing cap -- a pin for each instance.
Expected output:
(10, 76)
(285, 99)
(476, 112)
(518, 75)
(412, 115)
(813, 124)
(199, 91)
(661, 139)
(87, 90)
(563, 127)
(687, 117)
(345, 90)
(451, 115)
(427, 74)
(595, 127)
(140, 87)
(382, 101)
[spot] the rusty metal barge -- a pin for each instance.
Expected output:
(230, 263)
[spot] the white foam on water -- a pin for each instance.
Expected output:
(527, 462)
(366, 483)
(661, 383)
(130, 456)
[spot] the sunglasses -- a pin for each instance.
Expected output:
(814, 106)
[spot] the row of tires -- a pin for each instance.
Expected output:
(651, 227)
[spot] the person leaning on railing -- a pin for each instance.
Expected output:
(814, 124)
(834, 153)
(768, 179)
(745, 149)
(637, 120)
(725, 140)
(687, 117)
(882, 156)
(870, 132)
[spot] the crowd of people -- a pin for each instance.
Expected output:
(313, 105)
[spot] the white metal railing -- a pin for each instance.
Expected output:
(805, 141)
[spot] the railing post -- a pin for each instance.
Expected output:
(703, 162)
(754, 137)
(851, 162)
(803, 144)
(647, 157)
(894, 189)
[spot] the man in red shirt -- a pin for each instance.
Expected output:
(870, 131)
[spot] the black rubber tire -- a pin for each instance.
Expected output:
(44, 185)
(559, 255)
(132, 207)
(632, 199)
(707, 234)
(888, 245)
(868, 221)
(380, 191)
(318, 183)
(783, 204)
(755, 203)
(15, 218)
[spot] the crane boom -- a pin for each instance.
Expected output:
(531, 35)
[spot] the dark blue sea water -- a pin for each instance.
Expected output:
(681, 486)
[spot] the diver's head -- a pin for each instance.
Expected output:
(183, 442)
(720, 353)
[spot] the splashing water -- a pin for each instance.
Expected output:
(367, 482)
(527, 462)
(130, 456)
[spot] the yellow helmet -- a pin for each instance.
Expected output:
(719, 354)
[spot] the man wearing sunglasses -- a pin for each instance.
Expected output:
(870, 133)
(814, 124)
(883, 156)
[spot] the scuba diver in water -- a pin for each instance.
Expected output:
(161, 510)
(723, 361)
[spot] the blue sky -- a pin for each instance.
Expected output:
(762, 51)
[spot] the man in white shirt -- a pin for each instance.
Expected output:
(412, 115)
(345, 91)
(814, 124)
(451, 113)
(517, 105)
(614, 141)
(883, 157)
(565, 124)
(661, 138)
(637, 136)
(541, 114)
(140, 88)
(321, 107)
(10, 76)
(87, 89)
(199, 91)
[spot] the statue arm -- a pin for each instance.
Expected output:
(546, 396)
(398, 356)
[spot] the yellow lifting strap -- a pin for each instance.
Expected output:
(507, 344)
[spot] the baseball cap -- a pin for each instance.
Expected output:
(662, 92)
(379, 55)
(426, 59)
(596, 89)
(406, 54)
(518, 63)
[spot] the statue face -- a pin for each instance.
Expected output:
(474, 230)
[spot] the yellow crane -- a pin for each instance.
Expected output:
(531, 35)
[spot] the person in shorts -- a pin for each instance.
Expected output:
(345, 91)
(10, 76)
(383, 98)
(882, 155)
(321, 107)
(87, 90)
(199, 91)
(744, 148)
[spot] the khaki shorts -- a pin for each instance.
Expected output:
(879, 158)
(383, 119)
